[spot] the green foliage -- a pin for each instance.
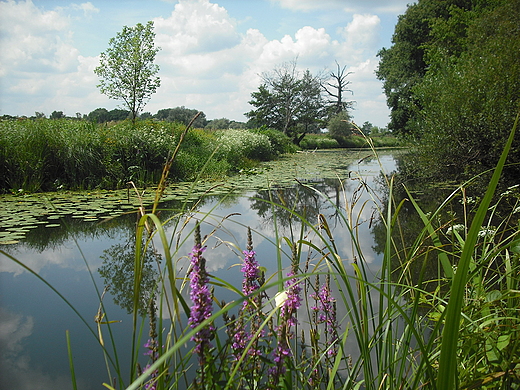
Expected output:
(451, 80)
(238, 146)
(280, 143)
(340, 127)
(182, 115)
(46, 155)
(288, 101)
(470, 103)
(127, 71)
(101, 115)
(315, 141)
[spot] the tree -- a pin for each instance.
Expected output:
(216, 124)
(471, 99)
(127, 71)
(340, 127)
(99, 115)
(182, 115)
(339, 86)
(57, 115)
(288, 101)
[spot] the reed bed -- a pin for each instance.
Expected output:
(323, 319)
(49, 155)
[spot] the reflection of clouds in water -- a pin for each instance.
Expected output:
(17, 371)
(68, 255)
(37, 260)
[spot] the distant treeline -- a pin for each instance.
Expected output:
(178, 114)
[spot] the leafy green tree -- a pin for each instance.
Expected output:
(340, 127)
(403, 65)
(182, 115)
(288, 101)
(99, 115)
(219, 124)
(118, 115)
(470, 101)
(127, 71)
(57, 115)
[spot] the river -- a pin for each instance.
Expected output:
(78, 257)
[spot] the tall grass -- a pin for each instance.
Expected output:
(48, 155)
(324, 319)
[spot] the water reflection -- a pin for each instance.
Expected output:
(117, 272)
(81, 260)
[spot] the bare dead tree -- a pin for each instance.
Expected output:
(339, 86)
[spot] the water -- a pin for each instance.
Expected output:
(34, 319)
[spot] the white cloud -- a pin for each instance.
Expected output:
(207, 60)
(196, 26)
(390, 6)
(88, 8)
(18, 371)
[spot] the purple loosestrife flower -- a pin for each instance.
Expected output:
(291, 301)
(201, 297)
(326, 310)
(252, 305)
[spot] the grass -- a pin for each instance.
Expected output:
(295, 328)
(48, 155)
(324, 141)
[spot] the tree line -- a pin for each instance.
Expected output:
(452, 81)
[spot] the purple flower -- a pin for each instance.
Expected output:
(326, 310)
(201, 297)
(251, 283)
(289, 306)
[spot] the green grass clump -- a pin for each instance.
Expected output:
(318, 141)
(48, 155)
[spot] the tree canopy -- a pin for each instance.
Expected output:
(127, 71)
(286, 99)
(293, 102)
(182, 115)
(452, 81)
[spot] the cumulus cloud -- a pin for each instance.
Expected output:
(390, 6)
(88, 8)
(208, 60)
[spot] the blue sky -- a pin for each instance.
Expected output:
(212, 52)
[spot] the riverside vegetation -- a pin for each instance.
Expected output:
(458, 328)
(49, 155)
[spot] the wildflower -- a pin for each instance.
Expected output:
(455, 228)
(289, 303)
(250, 284)
(486, 232)
(326, 310)
(201, 297)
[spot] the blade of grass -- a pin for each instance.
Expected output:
(448, 357)
(71, 362)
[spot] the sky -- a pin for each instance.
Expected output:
(213, 52)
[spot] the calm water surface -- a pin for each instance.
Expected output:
(34, 318)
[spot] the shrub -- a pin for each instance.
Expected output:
(237, 145)
(280, 143)
(315, 141)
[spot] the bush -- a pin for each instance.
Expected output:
(280, 143)
(46, 155)
(236, 145)
(315, 141)
(339, 126)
